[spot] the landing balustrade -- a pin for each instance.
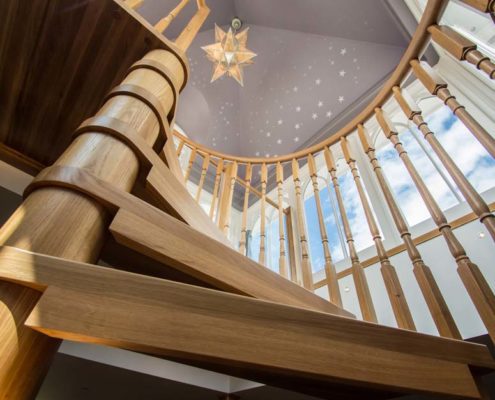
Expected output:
(279, 184)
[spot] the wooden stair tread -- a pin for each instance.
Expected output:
(106, 306)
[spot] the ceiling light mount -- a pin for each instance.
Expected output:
(236, 23)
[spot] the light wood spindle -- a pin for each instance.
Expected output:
(476, 202)
(431, 292)
(186, 37)
(476, 285)
(358, 274)
(330, 271)
(392, 284)
(190, 163)
(180, 147)
(216, 186)
(294, 275)
(307, 273)
(247, 179)
(134, 3)
(264, 177)
(165, 22)
(282, 266)
(438, 87)
(461, 48)
(204, 171)
(227, 197)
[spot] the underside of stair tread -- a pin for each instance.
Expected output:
(106, 306)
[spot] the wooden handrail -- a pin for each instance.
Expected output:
(418, 42)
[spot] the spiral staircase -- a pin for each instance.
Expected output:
(89, 93)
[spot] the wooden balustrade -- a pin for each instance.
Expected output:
(461, 48)
(247, 178)
(190, 163)
(165, 21)
(486, 6)
(438, 87)
(204, 171)
(330, 271)
(282, 267)
(306, 271)
(134, 3)
(476, 202)
(392, 284)
(358, 274)
(431, 292)
(225, 204)
(476, 285)
(264, 178)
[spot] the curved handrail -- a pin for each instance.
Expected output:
(420, 38)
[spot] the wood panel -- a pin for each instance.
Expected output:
(176, 245)
(58, 62)
(199, 324)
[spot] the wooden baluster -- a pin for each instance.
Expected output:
(282, 267)
(165, 22)
(476, 202)
(476, 285)
(485, 6)
(227, 196)
(247, 178)
(180, 147)
(358, 274)
(204, 171)
(192, 158)
(291, 246)
(431, 292)
(214, 196)
(392, 284)
(264, 177)
(307, 273)
(134, 3)
(461, 48)
(186, 37)
(437, 86)
(330, 271)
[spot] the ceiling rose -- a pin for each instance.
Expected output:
(229, 53)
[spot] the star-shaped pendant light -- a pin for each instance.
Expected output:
(229, 53)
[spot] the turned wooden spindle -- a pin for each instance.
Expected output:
(431, 292)
(485, 6)
(180, 147)
(307, 273)
(282, 267)
(264, 177)
(227, 197)
(330, 271)
(476, 285)
(190, 163)
(473, 198)
(165, 21)
(461, 48)
(216, 186)
(438, 87)
(134, 3)
(358, 274)
(67, 224)
(188, 34)
(247, 179)
(204, 171)
(392, 284)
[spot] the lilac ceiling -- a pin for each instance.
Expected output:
(316, 60)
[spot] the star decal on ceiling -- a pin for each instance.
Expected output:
(229, 54)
